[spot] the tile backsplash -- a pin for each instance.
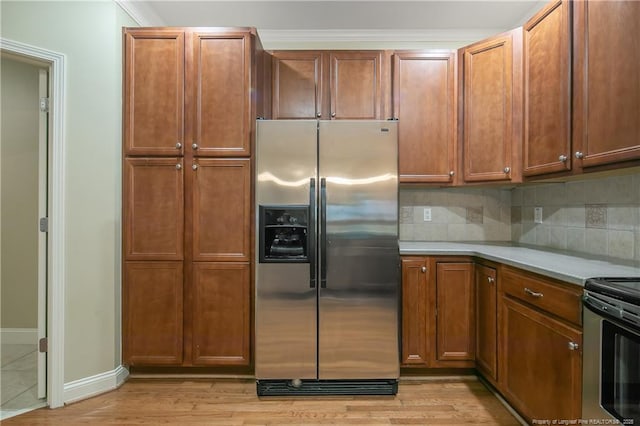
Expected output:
(457, 214)
(598, 216)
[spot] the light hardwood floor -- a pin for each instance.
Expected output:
(234, 402)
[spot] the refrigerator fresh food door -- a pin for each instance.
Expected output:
(286, 295)
(359, 257)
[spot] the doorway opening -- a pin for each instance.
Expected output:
(24, 166)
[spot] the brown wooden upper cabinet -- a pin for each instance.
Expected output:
(547, 90)
(328, 84)
(425, 103)
(492, 140)
(298, 89)
(190, 89)
(154, 92)
(606, 102)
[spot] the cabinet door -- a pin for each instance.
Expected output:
(221, 314)
(492, 112)
(540, 375)
(153, 209)
(356, 85)
(297, 84)
(547, 80)
(455, 329)
(415, 311)
(486, 321)
(607, 87)
(221, 223)
(153, 92)
(152, 313)
(221, 79)
(424, 99)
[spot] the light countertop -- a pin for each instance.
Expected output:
(566, 267)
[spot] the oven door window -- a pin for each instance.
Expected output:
(620, 391)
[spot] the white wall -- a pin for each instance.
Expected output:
(19, 192)
(89, 34)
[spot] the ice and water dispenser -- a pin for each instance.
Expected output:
(284, 234)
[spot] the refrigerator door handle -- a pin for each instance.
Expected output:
(323, 232)
(312, 233)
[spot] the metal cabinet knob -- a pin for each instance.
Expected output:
(178, 166)
(451, 173)
(423, 269)
(178, 145)
(491, 280)
(563, 158)
(194, 146)
(532, 293)
(579, 155)
(333, 114)
(194, 167)
(507, 169)
(573, 346)
(318, 114)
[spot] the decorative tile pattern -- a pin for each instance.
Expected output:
(475, 214)
(596, 216)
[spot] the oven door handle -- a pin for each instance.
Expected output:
(602, 309)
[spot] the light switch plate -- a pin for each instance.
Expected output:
(427, 214)
(537, 214)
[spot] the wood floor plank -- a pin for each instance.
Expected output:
(234, 402)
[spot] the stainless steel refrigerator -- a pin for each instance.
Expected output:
(327, 259)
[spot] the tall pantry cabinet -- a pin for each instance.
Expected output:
(189, 111)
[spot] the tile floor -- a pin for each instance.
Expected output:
(18, 380)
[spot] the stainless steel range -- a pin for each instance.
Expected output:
(611, 353)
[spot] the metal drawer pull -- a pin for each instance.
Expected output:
(573, 346)
(532, 293)
(491, 280)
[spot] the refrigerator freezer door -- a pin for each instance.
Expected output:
(358, 308)
(286, 303)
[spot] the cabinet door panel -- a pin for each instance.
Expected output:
(547, 114)
(415, 310)
(540, 375)
(221, 210)
(424, 94)
(153, 209)
(221, 317)
(297, 85)
(486, 321)
(607, 86)
(356, 85)
(489, 109)
(154, 92)
(456, 312)
(221, 72)
(152, 313)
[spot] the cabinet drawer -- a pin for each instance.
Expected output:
(547, 294)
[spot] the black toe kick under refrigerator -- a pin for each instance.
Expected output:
(327, 259)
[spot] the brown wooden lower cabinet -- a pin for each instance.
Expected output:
(540, 375)
(455, 312)
(152, 313)
(437, 313)
(221, 314)
(486, 321)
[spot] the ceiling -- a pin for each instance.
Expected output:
(475, 18)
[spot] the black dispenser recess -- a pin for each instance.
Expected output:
(284, 234)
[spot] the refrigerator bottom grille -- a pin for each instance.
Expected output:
(327, 387)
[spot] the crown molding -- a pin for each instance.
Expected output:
(141, 13)
(448, 35)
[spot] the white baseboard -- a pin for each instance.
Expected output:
(94, 385)
(19, 336)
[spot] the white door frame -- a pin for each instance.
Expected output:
(43, 211)
(56, 252)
